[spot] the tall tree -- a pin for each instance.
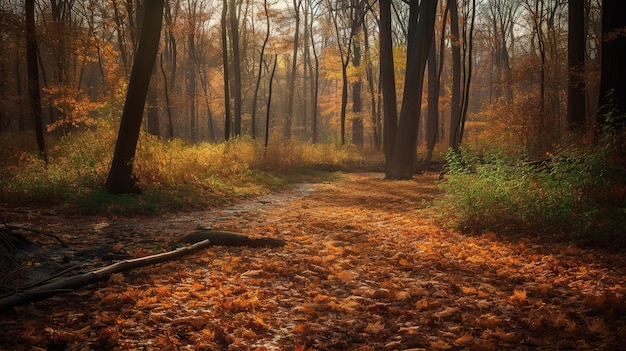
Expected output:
(236, 87)
(576, 65)
(291, 87)
(388, 82)
(455, 108)
(421, 27)
(227, 116)
(121, 179)
(613, 74)
(33, 77)
(260, 71)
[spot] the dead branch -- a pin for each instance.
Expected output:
(72, 283)
(9, 228)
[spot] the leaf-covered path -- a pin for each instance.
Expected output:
(364, 269)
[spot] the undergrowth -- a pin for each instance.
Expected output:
(172, 175)
(576, 194)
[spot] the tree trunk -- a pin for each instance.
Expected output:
(455, 103)
(468, 65)
(168, 106)
(388, 83)
(260, 72)
(420, 39)
(357, 101)
(225, 65)
(291, 86)
(120, 179)
(613, 74)
(432, 123)
(191, 84)
(269, 103)
(234, 36)
(576, 65)
(33, 77)
(314, 88)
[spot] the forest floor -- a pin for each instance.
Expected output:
(364, 268)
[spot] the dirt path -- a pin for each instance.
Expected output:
(364, 269)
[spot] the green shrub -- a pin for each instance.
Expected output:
(554, 197)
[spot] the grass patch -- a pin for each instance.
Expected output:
(173, 175)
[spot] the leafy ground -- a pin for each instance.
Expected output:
(364, 269)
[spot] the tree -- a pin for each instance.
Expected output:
(225, 65)
(236, 87)
(420, 33)
(387, 82)
(259, 74)
(613, 74)
(294, 68)
(576, 65)
(121, 179)
(455, 108)
(33, 77)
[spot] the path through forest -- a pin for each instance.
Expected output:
(364, 268)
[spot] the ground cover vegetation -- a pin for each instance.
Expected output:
(173, 175)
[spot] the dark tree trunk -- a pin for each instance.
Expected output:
(314, 89)
(576, 65)
(269, 103)
(168, 107)
(191, 85)
(255, 97)
(455, 108)
(467, 67)
(120, 179)
(357, 101)
(294, 69)
(226, 78)
(613, 74)
(234, 36)
(420, 39)
(432, 124)
(387, 82)
(33, 77)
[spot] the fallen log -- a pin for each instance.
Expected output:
(72, 283)
(224, 238)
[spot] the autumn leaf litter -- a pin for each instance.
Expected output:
(364, 269)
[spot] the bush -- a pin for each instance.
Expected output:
(555, 197)
(172, 174)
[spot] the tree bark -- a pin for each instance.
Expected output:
(33, 77)
(613, 74)
(432, 124)
(387, 82)
(234, 36)
(455, 108)
(260, 72)
(120, 179)
(576, 65)
(420, 39)
(226, 78)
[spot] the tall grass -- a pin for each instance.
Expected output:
(172, 174)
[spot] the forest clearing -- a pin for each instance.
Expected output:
(364, 268)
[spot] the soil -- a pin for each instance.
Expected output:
(364, 268)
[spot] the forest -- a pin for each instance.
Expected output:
(312, 174)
